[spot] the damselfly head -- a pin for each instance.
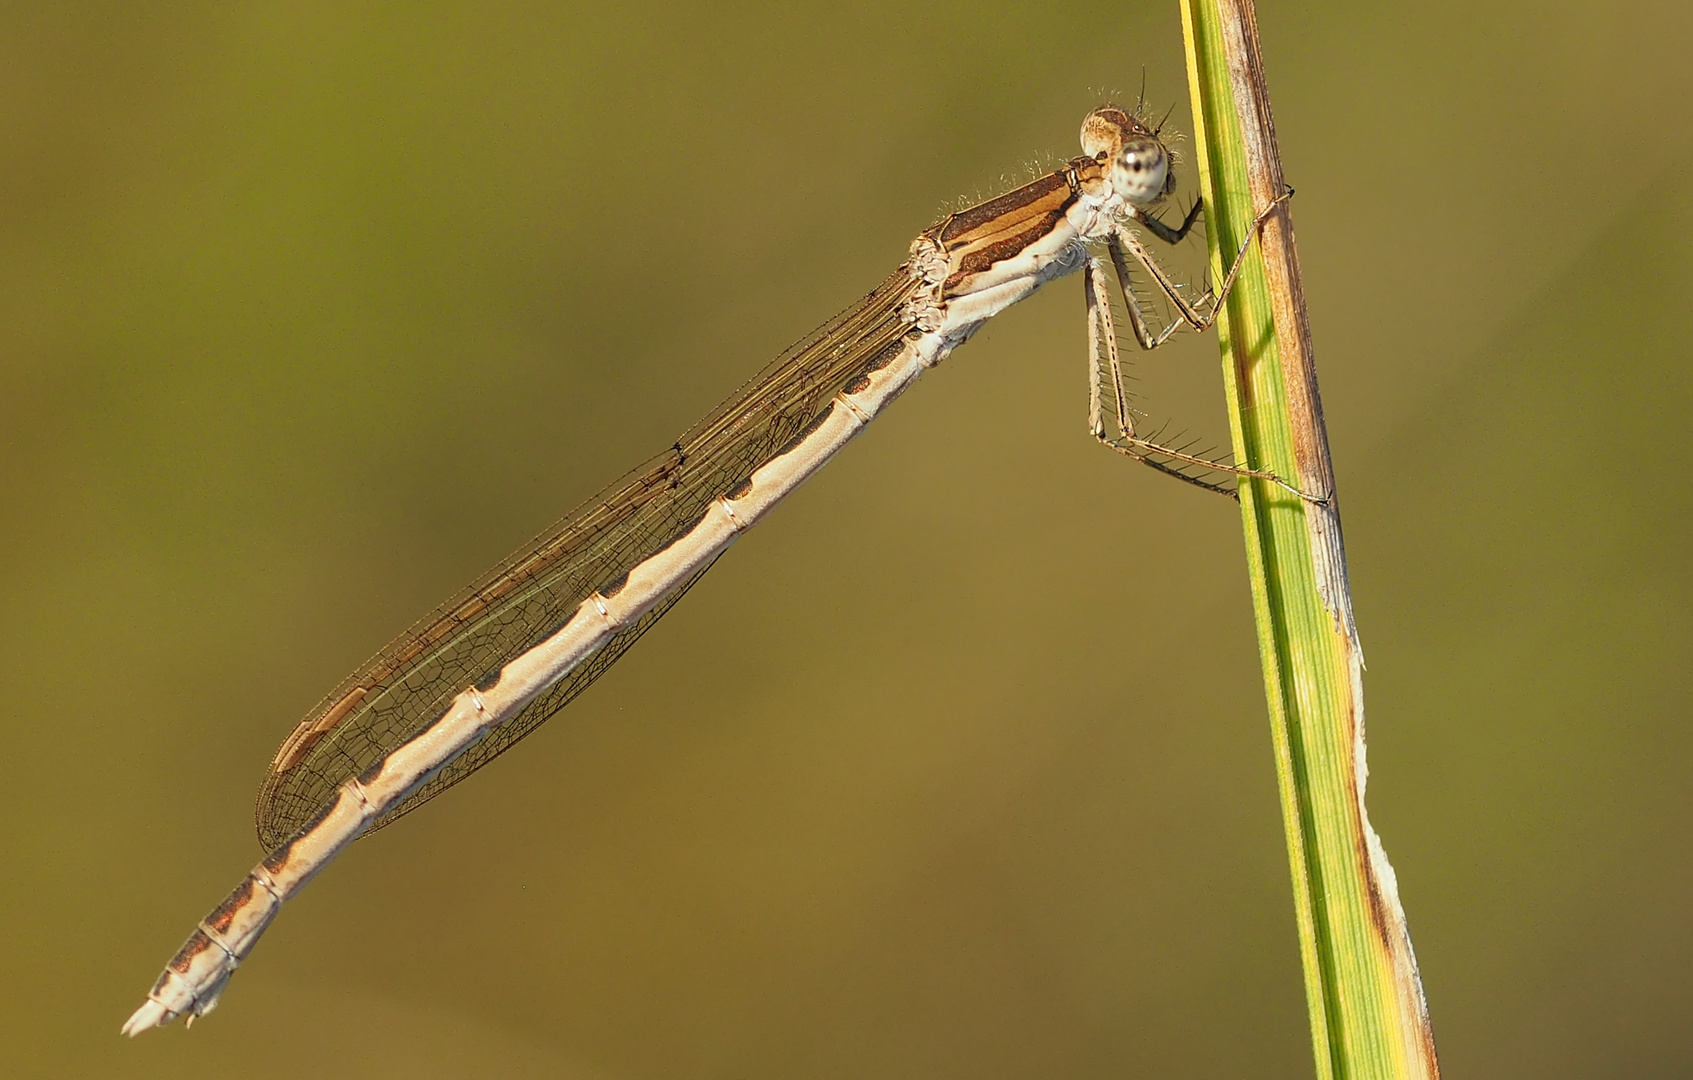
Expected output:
(1137, 165)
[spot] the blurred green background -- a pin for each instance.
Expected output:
(958, 766)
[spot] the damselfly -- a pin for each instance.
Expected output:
(487, 668)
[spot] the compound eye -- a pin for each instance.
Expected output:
(1141, 169)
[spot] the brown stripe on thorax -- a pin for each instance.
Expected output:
(999, 229)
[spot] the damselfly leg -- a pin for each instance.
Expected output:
(1102, 331)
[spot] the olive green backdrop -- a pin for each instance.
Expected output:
(959, 766)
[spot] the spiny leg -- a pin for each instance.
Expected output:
(1170, 236)
(1122, 238)
(1102, 327)
(1173, 236)
(1137, 318)
(1091, 272)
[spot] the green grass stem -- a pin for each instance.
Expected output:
(1368, 1014)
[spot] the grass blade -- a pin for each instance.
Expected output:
(1369, 1018)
